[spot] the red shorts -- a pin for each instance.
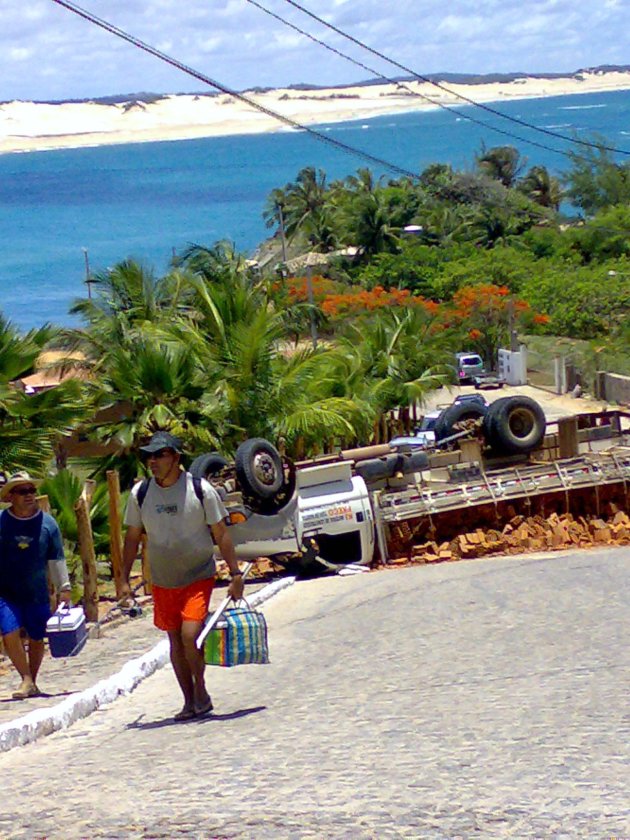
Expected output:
(171, 607)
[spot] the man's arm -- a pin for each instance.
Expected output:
(57, 568)
(224, 543)
(130, 552)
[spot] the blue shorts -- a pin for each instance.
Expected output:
(32, 617)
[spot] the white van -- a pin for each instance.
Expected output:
(469, 365)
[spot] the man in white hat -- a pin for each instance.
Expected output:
(30, 546)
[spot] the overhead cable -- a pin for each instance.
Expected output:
(136, 42)
(558, 135)
(450, 108)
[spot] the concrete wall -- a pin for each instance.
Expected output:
(612, 387)
(513, 366)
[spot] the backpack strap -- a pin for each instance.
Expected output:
(144, 488)
(142, 491)
(198, 489)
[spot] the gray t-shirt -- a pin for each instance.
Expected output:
(179, 541)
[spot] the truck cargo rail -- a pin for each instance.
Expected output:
(590, 470)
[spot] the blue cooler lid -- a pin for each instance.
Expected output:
(64, 620)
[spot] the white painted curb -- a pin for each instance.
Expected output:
(42, 722)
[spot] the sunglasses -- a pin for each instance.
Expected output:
(25, 491)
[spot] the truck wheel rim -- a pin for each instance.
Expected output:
(522, 423)
(264, 469)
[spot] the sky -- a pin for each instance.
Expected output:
(48, 53)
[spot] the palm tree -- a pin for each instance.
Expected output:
(221, 263)
(155, 383)
(362, 182)
(393, 361)
(274, 215)
(368, 223)
(250, 379)
(501, 163)
(30, 424)
(541, 187)
(311, 407)
(305, 198)
(129, 300)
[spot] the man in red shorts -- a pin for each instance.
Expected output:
(182, 531)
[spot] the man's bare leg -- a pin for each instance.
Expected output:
(182, 672)
(196, 664)
(14, 648)
(35, 656)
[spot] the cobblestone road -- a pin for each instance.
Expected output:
(475, 699)
(99, 659)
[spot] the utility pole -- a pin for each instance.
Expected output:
(311, 301)
(88, 278)
(512, 326)
(283, 238)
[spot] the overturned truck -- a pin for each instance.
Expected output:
(490, 469)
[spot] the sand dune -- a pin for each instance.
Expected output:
(29, 126)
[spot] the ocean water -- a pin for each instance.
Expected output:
(145, 200)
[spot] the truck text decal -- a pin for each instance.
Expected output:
(322, 516)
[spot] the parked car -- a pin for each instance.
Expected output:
(469, 365)
(423, 436)
(488, 380)
(470, 398)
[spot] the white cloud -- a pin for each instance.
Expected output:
(46, 52)
(20, 53)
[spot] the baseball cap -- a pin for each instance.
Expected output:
(162, 440)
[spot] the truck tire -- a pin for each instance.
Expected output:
(207, 466)
(376, 469)
(415, 462)
(455, 414)
(259, 468)
(514, 425)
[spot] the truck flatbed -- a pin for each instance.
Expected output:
(589, 471)
(487, 381)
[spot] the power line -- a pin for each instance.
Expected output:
(483, 106)
(136, 42)
(444, 106)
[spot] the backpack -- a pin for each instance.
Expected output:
(144, 488)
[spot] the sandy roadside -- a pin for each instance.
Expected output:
(29, 126)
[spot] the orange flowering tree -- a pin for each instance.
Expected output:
(291, 300)
(481, 316)
(356, 301)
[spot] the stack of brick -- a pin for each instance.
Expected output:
(519, 536)
(262, 567)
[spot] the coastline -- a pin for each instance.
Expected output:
(29, 126)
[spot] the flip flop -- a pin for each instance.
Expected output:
(185, 714)
(23, 693)
(204, 708)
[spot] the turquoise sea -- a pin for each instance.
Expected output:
(146, 199)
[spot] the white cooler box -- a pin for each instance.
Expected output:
(67, 631)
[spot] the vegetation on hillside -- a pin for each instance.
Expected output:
(406, 272)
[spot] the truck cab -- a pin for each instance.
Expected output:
(327, 523)
(334, 512)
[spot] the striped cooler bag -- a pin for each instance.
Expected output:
(238, 638)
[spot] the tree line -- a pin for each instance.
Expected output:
(219, 347)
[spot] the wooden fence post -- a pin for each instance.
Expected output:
(86, 550)
(43, 502)
(568, 438)
(115, 528)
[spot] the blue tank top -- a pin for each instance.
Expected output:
(26, 546)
